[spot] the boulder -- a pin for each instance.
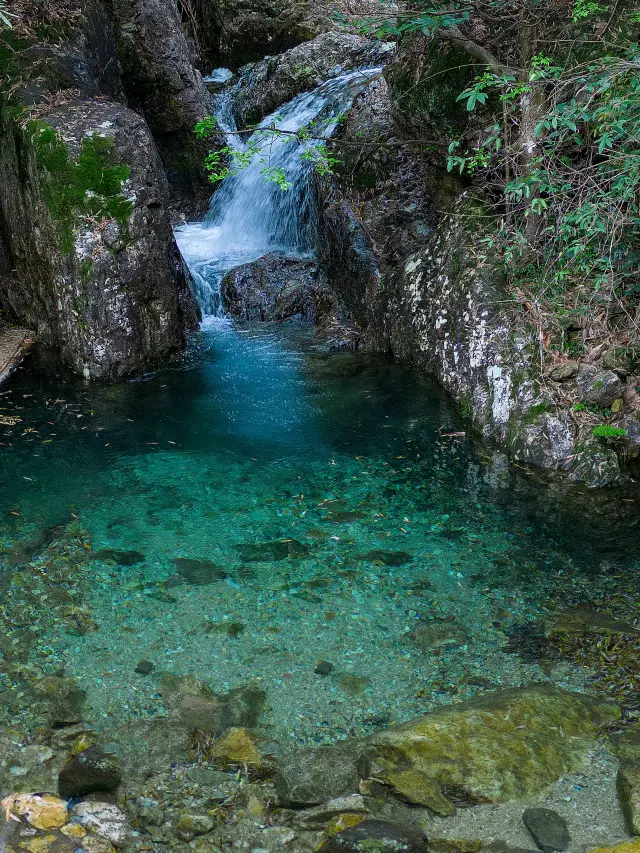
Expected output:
(274, 288)
(309, 777)
(61, 698)
(378, 835)
(89, 771)
(267, 85)
(105, 819)
(194, 706)
(100, 278)
(502, 746)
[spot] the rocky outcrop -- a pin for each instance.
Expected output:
(161, 82)
(96, 271)
(266, 85)
(401, 245)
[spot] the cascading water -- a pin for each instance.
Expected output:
(251, 215)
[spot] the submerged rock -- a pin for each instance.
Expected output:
(628, 782)
(120, 558)
(378, 835)
(193, 705)
(309, 777)
(581, 620)
(388, 558)
(237, 746)
(199, 572)
(105, 819)
(548, 829)
(62, 699)
(89, 771)
(42, 811)
(501, 746)
(434, 635)
(272, 551)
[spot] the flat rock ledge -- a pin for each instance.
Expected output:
(14, 343)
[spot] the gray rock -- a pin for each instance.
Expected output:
(378, 835)
(309, 777)
(88, 772)
(62, 699)
(564, 371)
(144, 667)
(601, 387)
(547, 828)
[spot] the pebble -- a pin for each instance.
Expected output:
(144, 667)
(323, 667)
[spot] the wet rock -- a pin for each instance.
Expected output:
(275, 288)
(120, 558)
(416, 788)
(581, 620)
(323, 667)
(388, 558)
(194, 705)
(628, 782)
(268, 552)
(96, 844)
(500, 746)
(89, 771)
(547, 828)
(237, 746)
(626, 847)
(564, 371)
(62, 698)
(462, 845)
(601, 387)
(200, 572)
(189, 824)
(345, 516)
(144, 667)
(595, 466)
(353, 684)
(318, 818)
(435, 635)
(309, 777)
(42, 811)
(104, 819)
(268, 84)
(376, 835)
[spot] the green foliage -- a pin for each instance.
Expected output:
(87, 188)
(608, 431)
(5, 16)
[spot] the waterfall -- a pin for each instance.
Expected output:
(249, 215)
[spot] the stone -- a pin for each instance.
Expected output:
(73, 830)
(195, 706)
(628, 782)
(88, 772)
(144, 667)
(343, 821)
(456, 845)
(547, 828)
(323, 667)
(200, 572)
(267, 552)
(376, 835)
(104, 819)
(95, 844)
(581, 620)
(42, 811)
(353, 684)
(435, 635)
(321, 816)
(564, 371)
(416, 788)
(237, 746)
(309, 777)
(622, 360)
(499, 746)
(120, 558)
(388, 558)
(62, 698)
(601, 387)
(189, 824)
(632, 846)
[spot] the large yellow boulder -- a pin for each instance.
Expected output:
(506, 745)
(42, 811)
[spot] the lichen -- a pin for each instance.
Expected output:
(73, 189)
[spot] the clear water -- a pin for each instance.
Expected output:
(386, 517)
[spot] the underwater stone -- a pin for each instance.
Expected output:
(200, 572)
(309, 777)
(188, 825)
(547, 828)
(42, 811)
(628, 782)
(388, 558)
(236, 746)
(104, 819)
(378, 836)
(498, 747)
(89, 771)
(144, 667)
(323, 667)
(271, 551)
(416, 788)
(63, 699)
(435, 635)
(120, 558)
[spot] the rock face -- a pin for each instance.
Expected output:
(266, 85)
(100, 277)
(161, 82)
(505, 746)
(420, 286)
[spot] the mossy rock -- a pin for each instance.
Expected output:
(503, 746)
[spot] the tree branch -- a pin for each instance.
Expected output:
(457, 37)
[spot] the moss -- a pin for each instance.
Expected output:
(87, 187)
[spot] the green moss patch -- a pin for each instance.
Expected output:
(90, 186)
